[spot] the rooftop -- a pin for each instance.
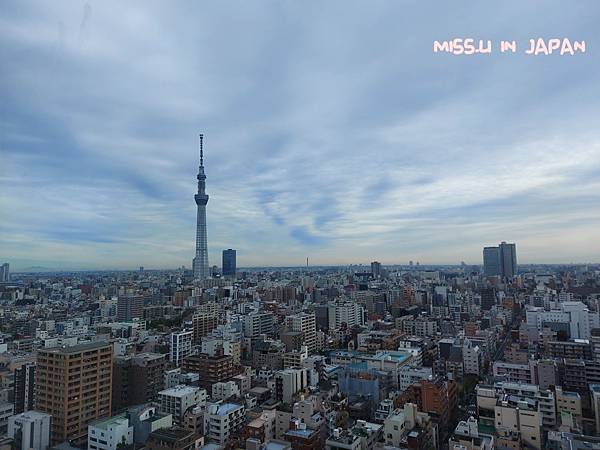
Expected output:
(77, 348)
(180, 391)
(105, 424)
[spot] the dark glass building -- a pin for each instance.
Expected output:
(229, 266)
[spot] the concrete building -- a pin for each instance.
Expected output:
(221, 420)
(30, 430)
(258, 323)
(466, 436)
(472, 358)
(523, 416)
(177, 400)
(290, 382)
(181, 346)
(305, 323)
(403, 421)
(145, 419)
(595, 401)
(23, 389)
(107, 434)
(174, 438)
(137, 379)
(202, 324)
(223, 391)
(130, 307)
(349, 313)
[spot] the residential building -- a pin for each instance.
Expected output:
(80, 378)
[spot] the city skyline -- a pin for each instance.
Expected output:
(345, 141)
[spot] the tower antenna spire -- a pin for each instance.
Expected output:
(201, 150)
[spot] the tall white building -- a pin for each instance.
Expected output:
(107, 434)
(350, 313)
(181, 346)
(290, 382)
(472, 358)
(30, 430)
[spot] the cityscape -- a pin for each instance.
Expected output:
(397, 285)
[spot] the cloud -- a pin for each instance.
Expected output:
(330, 130)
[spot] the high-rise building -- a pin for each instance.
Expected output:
(491, 261)
(4, 272)
(501, 260)
(73, 384)
(306, 323)
(130, 307)
(200, 261)
(23, 390)
(202, 324)
(30, 430)
(508, 259)
(181, 345)
(376, 269)
(258, 323)
(229, 263)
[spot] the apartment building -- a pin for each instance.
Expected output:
(74, 384)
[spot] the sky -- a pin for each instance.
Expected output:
(332, 131)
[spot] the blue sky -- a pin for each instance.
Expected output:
(331, 131)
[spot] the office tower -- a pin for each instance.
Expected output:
(508, 259)
(4, 272)
(306, 323)
(376, 269)
(137, 379)
(130, 307)
(73, 384)
(491, 261)
(229, 264)
(200, 261)
(501, 260)
(30, 430)
(181, 345)
(23, 389)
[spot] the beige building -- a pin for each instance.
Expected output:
(74, 384)
(522, 416)
(568, 404)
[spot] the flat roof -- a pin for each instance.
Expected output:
(77, 348)
(106, 423)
